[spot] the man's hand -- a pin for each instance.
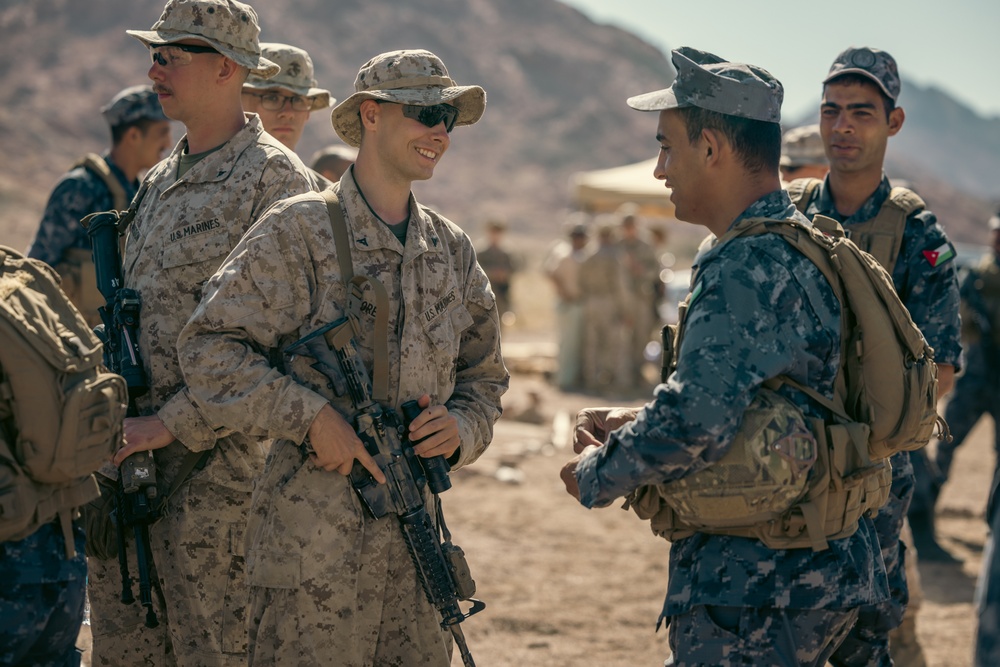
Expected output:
(568, 472)
(143, 434)
(594, 424)
(438, 426)
(336, 445)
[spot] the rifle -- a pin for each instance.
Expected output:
(441, 566)
(136, 501)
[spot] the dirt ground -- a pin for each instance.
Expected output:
(567, 586)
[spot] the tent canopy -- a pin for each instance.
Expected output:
(604, 190)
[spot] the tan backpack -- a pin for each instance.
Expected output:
(60, 412)
(885, 402)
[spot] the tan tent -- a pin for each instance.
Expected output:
(604, 190)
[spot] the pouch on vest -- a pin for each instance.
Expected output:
(62, 412)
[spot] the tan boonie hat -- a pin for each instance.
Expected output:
(296, 74)
(706, 81)
(406, 77)
(802, 146)
(873, 64)
(228, 26)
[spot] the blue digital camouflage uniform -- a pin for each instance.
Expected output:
(977, 390)
(759, 309)
(987, 598)
(42, 598)
(77, 194)
(930, 293)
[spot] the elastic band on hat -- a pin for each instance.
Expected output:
(413, 82)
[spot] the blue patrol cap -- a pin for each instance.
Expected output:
(133, 104)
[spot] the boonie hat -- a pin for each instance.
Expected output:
(706, 81)
(406, 77)
(230, 27)
(801, 146)
(132, 104)
(296, 74)
(873, 64)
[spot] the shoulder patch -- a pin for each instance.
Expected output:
(939, 255)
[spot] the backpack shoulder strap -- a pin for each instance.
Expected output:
(907, 200)
(96, 165)
(801, 191)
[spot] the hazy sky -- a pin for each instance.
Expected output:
(951, 44)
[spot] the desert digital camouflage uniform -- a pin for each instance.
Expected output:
(330, 585)
(602, 288)
(641, 273)
(182, 231)
(925, 279)
(734, 340)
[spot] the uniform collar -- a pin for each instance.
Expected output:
(825, 206)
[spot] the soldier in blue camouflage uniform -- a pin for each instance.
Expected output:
(140, 133)
(42, 597)
(987, 651)
(759, 309)
(857, 116)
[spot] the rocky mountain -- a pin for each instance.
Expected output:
(556, 84)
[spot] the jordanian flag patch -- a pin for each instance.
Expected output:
(939, 255)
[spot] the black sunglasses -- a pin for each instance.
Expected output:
(432, 115)
(167, 54)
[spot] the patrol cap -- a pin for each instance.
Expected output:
(296, 74)
(708, 82)
(230, 27)
(406, 77)
(132, 104)
(871, 63)
(802, 146)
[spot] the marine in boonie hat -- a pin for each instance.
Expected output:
(406, 77)
(228, 26)
(296, 75)
(870, 63)
(132, 104)
(802, 146)
(706, 81)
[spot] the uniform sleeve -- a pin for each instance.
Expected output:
(735, 339)
(60, 227)
(260, 293)
(481, 377)
(929, 286)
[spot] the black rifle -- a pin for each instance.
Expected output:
(440, 565)
(136, 501)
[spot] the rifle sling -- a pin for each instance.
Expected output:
(380, 374)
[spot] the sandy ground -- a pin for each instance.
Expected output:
(569, 586)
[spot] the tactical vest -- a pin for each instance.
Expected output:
(882, 236)
(76, 266)
(884, 401)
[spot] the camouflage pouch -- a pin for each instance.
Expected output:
(763, 474)
(102, 533)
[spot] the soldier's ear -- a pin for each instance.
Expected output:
(896, 118)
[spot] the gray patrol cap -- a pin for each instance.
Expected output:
(132, 104)
(406, 77)
(708, 82)
(230, 27)
(296, 74)
(801, 146)
(873, 64)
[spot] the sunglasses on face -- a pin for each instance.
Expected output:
(176, 55)
(276, 102)
(432, 115)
